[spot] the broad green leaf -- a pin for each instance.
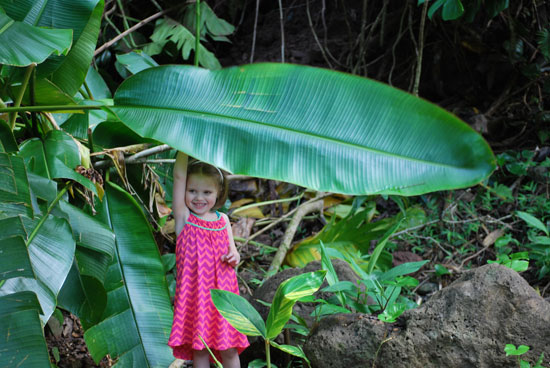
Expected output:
(136, 323)
(22, 342)
(59, 78)
(325, 130)
(238, 312)
(83, 292)
(55, 158)
(14, 187)
(22, 44)
(136, 61)
(97, 85)
(82, 295)
(533, 221)
(7, 140)
(71, 73)
(14, 259)
(286, 296)
(25, 300)
(51, 253)
(292, 350)
(88, 231)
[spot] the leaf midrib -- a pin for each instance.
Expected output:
(250, 121)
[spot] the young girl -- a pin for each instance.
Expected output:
(205, 258)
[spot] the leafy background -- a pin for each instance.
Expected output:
(75, 267)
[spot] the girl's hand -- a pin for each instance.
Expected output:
(232, 257)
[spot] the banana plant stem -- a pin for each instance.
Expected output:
(17, 109)
(50, 208)
(197, 30)
(19, 98)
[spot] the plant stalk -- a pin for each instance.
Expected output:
(420, 49)
(197, 30)
(19, 98)
(50, 209)
(267, 353)
(50, 108)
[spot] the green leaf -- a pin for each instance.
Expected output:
(331, 276)
(511, 349)
(292, 350)
(238, 312)
(15, 261)
(391, 313)
(441, 270)
(380, 247)
(22, 44)
(402, 269)
(453, 9)
(168, 30)
(56, 157)
(494, 7)
(137, 321)
(286, 296)
(14, 187)
(51, 253)
(136, 61)
(325, 130)
(22, 340)
(532, 221)
(543, 40)
(7, 140)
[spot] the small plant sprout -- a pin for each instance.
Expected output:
(510, 349)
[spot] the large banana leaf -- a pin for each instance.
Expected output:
(83, 292)
(322, 129)
(55, 157)
(22, 342)
(22, 44)
(137, 321)
(15, 196)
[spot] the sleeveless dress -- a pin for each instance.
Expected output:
(199, 247)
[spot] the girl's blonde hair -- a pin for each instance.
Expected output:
(197, 167)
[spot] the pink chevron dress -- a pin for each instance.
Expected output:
(199, 247)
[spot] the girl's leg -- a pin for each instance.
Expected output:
(201, 359)
(230, 358)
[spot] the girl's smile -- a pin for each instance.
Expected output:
(201, 194)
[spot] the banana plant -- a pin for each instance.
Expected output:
(43, 240)
(72, 34)
(242, 315)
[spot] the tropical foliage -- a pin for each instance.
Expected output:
(76, 239)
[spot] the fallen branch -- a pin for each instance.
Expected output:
(286, 244)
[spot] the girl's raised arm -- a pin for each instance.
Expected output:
(179, 209)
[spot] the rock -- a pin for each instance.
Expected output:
(467, 324)
(346, 340)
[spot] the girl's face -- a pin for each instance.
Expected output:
(201, 193)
